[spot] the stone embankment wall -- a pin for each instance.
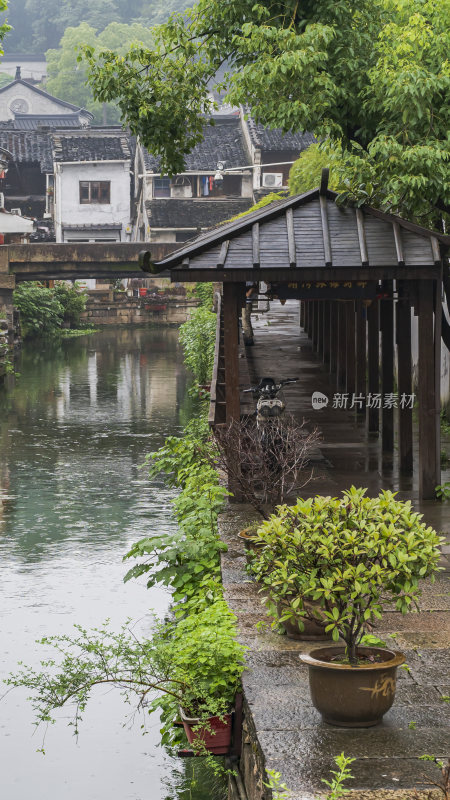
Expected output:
(117, 308)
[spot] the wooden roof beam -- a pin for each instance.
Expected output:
(398, 244)
(362, 237)
(255, 245)
(325, 230)
(291, 237)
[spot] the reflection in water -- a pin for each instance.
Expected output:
(73, 434)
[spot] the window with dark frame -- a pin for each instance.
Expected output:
(161, 187)
(95, 192)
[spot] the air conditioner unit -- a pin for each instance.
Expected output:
(17, 211)
(272, 180)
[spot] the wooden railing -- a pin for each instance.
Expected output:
(217, 411)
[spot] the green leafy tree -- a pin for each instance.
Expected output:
(38, 25)
(67, 76)
(371, 77)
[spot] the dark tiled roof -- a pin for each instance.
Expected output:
(323, 235)
(30, 122)
(274, 139)
(85, 147)
(193, 213)
(222, 141)
(28, 147)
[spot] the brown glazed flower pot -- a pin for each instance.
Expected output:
(312, 631)
(348, 696)
(247, 536)
(216, 736)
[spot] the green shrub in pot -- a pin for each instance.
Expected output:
(342, 560)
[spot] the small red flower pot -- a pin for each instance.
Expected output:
(216, 737)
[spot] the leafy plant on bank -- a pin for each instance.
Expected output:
(187, 559)
(43, 311)
(73, 300)
(339, 561)
(197, 337)
(205, 293)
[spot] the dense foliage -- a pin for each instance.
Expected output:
(39, 24)
(371, 76)
(349, 556)
(197, 337)
(67, 77)
(43, 311)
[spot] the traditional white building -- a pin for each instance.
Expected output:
(92, 185)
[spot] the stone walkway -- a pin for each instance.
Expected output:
(282, 730)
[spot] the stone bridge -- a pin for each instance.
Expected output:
(34, 262)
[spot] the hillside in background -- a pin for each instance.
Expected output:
(39, 25)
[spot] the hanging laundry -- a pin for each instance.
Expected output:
(211, 183)
(205, 186)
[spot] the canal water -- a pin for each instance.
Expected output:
(74, 431)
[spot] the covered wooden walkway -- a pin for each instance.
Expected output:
(361, 275)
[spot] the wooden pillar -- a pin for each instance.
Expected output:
(342, 349)
(333, 335)
(373, 370)
(437, 372)
(351, 350)
(326, 331)
(320, 327)
(404, 376)
(314, 326)
(231, 341)
(310, 319)
(428, 439)
(361, 359)
(302, 314)
(387, 371)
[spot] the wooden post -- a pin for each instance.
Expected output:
(361, 359)
(437, 372)
(428, 438)
(320, 327)
(326, 331)
(373, 355)
(351, 352)
(387, 371)
(404, 374)
(342, 354)
(314, 325)
(333, 335)
(302, 314)
(231, 341)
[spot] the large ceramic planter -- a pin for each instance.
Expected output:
(312, 631)
(352, 697)
(248, 537)
(215, 737)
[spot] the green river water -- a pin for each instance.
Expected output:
(74, 430)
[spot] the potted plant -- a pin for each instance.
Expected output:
(353, 556)
(274, 563)
(194, 663)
